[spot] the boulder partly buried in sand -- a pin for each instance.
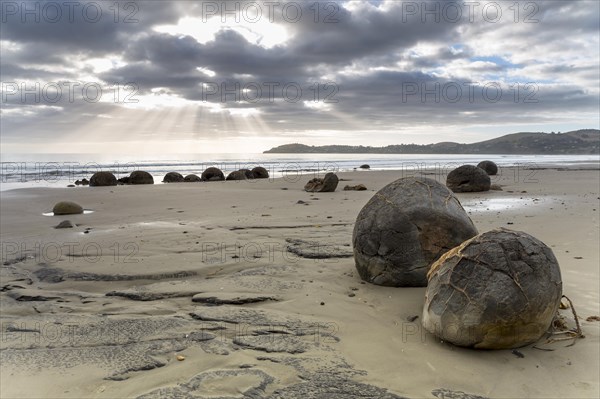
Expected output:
(490, 167)
(358, 187)
(468, 178)
(67, 208)
(237, 175)
(260, 173)
(140, 177)
(404, 228)
(248, 173)
(102, 179)
(327, 184)
(173, 177)
(365, 166)
(65, 224)
(498, 290)
(192, 178)
(212, 174)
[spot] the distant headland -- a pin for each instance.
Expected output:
(586, 141)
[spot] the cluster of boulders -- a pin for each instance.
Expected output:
(499, 289)
(141, 177)
(469, 178)
(82, 182)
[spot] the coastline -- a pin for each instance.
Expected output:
(228, 239)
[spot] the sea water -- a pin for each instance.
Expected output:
(59, 170)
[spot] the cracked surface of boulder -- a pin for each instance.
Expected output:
(404, 228)
(501, 289)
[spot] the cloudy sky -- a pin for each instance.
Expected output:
(243, 76)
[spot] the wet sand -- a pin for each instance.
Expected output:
(260, 296)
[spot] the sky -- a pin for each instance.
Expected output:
(244, 76)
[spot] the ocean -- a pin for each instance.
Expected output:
(59, 170)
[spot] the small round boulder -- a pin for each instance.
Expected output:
(365, 166)
(237, 175)
(490, 167)
(67, 208)
(192, 178)
(498, 290)
(468, 178)
(213, 174)
(173, 177)
(404, 228)
(103, 179)
(140, 177)
(260, 173)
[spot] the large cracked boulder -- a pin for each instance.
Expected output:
(327, 184)
(140, 177)
(67, 208)
(99, 179)
(498, 290)
(173, 177)
(490, 167)
(212, 174)
(468, 178)
(404, 228)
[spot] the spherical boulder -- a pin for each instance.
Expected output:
(327, 184)
(468, 178)
(248, 173)
(237, 175)
(192, 178)
(404, 228)
(490, 167)
(173, 177)
(67, 208)
(260, 173)
(498, 290)
(140, 177)
(103, 179)
(212, 174)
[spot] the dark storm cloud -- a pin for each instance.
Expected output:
(351, 50)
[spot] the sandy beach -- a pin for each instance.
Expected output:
(248, 289)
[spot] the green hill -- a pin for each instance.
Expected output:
(576, 142)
